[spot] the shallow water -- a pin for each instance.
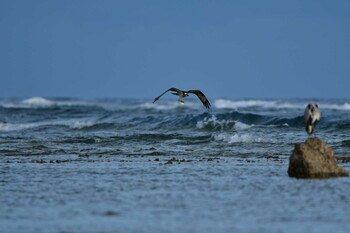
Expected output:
(70, 165)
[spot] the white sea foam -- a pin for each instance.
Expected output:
(37, 102)
(7, 127)
(236, 104)
(40, 102)
(81, 124)
(241, 126)
(242, 138)
(344, 107)
(221, 124)
(169, 105)
(224, 103)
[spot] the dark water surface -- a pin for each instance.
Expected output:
(71, 165)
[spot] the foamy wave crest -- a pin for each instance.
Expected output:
(168, 105)
(37, 102)
(40, 102)
(7, 127)
(81, 124)
(213, 123)
(341, 107)
(242, 138)
(235, 104)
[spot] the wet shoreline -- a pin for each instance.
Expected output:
(167, 193)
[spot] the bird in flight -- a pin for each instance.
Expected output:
(311, 116)
(183, 94)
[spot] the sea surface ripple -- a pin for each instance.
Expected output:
(128, 165)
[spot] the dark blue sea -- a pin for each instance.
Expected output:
(128, 165)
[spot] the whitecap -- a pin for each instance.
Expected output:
(7, 127)
(235, 104)
(168, 105)
(81, 124)
(341, 107)
(40, 102)
(242, 138)
(213, 122)
(276, 104)
(37, 102)
(241, 126)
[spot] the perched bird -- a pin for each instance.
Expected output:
(183, 94)
(311, 116)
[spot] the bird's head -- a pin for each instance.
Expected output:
(312, 107)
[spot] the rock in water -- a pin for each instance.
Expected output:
(314, 159)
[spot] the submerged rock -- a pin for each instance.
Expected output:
(314, 159)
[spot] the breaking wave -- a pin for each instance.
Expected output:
(242, 138)
(37, 102)
(167, 105)
(73, 125)
(212, 123)
(341, 107)
(40, 102)
(234, 121)
(76, 115)
(277, 104)
(236, 104)
(242, 121)
(45, 126)
(82, 124)
(8, 127)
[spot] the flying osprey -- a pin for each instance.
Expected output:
(311, 116)
(183, 94)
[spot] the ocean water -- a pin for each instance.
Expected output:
(128, 165)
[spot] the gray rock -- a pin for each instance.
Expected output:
(314, 159)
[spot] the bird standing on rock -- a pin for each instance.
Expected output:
(311, 116)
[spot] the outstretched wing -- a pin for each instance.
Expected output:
(307, 113)
(202, 97)
(170, 89)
